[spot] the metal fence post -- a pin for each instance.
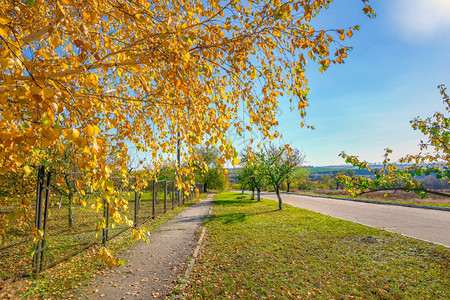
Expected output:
(136, 208)
(172, 195)
(165, 195)
(154, 198)
(38, 220)
(47, 196)
(106, 217)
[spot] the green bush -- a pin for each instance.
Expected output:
(236, 186)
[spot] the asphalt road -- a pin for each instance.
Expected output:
(424, 224)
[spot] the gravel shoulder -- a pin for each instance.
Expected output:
(152, 270)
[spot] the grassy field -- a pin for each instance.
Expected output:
(254, 251)
(57, 282)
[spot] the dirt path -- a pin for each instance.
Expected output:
(151, 270)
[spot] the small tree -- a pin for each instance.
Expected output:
(296, 178)
(252, 174)
(211, 172)
(392, 176)
(65, 185)
(278, 163)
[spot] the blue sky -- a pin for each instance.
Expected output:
(390, 77)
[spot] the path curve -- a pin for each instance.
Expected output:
(424, 224)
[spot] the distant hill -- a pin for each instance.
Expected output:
(333, 170)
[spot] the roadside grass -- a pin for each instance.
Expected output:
(254, 251)
(400, 197)
(59, 281)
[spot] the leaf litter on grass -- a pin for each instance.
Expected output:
(255, 251)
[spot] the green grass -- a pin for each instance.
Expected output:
(57, 282)
(254, 251)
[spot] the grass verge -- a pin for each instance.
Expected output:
(59, 281)
(255, 251)
(398, 197)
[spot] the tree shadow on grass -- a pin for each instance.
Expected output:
(239, 217)
(236, 202)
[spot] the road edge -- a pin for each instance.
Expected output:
(374, 202)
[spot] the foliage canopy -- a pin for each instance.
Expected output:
(104, 75)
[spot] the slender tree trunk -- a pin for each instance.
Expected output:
(70, 196)
(259, 194)
(60, 202)
(70, 207)
(288, 186)
(280, 202)
(253, 194)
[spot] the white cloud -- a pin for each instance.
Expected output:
(422, 18)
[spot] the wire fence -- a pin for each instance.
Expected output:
(55, 219)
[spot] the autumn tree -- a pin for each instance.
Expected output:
(394, 176)
(65, 183)
(278, 163)
(102, 75)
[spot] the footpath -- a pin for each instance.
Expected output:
(151, 270)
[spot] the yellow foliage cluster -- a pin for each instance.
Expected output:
(96, 76)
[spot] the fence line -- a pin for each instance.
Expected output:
(55, 239)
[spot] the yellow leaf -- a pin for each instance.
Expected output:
(349, 33)
(89, 131)
(3, 32)
(4, 21)
(46, 142)
(86, 15)
(235, 161)
(92, 78)
(79, 184)
(48, 93)
(187, 56)
(75, 133)
(61, 148)
(7, 115)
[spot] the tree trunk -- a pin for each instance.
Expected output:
(60, 202)
(253, 194)
(70, 207)
(280, 202)
(259, 194)
(288, 186)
